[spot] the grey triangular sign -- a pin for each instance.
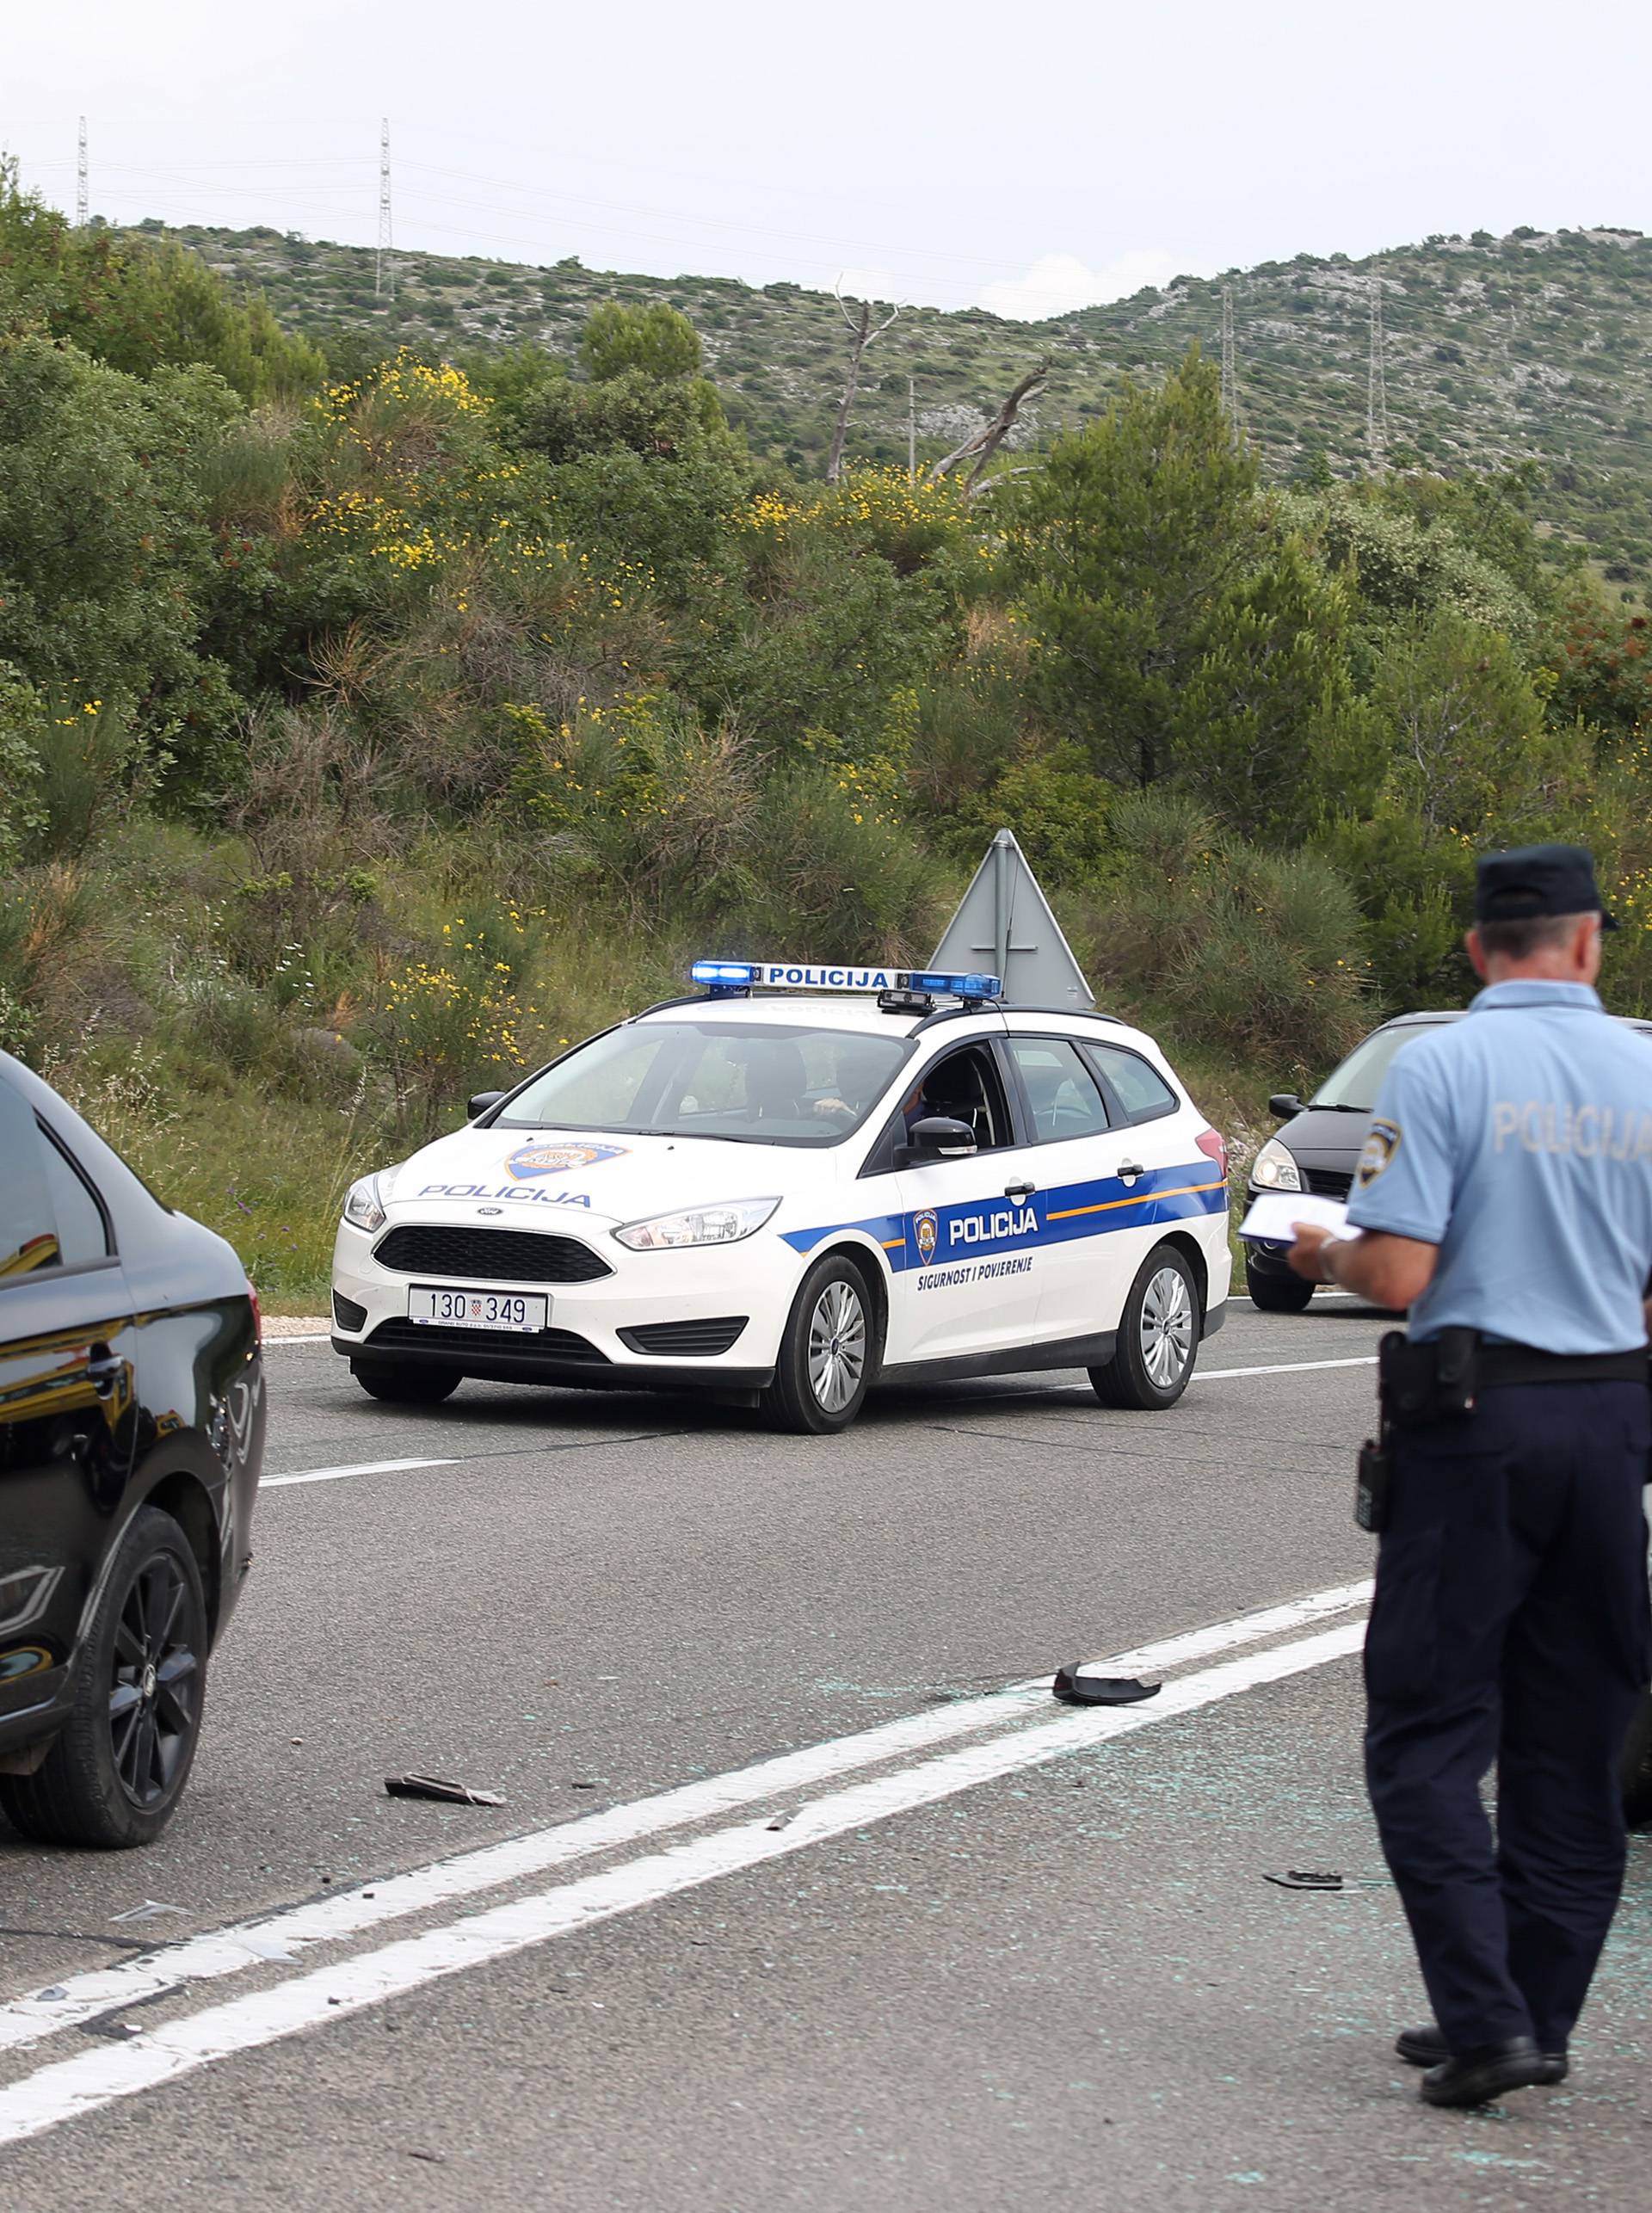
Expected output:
(1003, 923)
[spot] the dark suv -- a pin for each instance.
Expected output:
(132, 1423)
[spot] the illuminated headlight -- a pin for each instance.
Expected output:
(363, 1206)
(698, 1225)
(1275, 1169)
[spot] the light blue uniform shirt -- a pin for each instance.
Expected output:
(1519, 1142)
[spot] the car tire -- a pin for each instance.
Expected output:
(1278, 1294)
(829, 1352)
(1158, 1337)
(404, 1385)
(1637, 1769)
(116, 1772)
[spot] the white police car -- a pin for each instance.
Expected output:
(869, 1175)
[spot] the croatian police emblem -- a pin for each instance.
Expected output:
(927, 1230)
(556, 1160)
(1381, 1146)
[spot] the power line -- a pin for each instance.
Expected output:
(384, 266)
(1376, 387)
(82, 186)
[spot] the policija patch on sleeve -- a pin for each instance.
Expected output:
(1380, 1147)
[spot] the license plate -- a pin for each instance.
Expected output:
(478, 1310)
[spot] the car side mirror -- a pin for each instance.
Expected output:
(481, 1101)
(936, 1137)
(1284, 1105)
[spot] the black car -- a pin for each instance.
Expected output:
(132, 1431)
(1319, 1148)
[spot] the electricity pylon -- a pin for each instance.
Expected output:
(384, 267)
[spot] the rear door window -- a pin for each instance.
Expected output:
(28, 1221)
(50, 1217)
(1137, 1084)
(1062, 1097)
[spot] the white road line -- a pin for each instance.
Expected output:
(321, 1337)
(74, 2087)
(233, 1951)
(1282, 1368)
(338, 1475)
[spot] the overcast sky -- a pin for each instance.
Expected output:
(1029, 159)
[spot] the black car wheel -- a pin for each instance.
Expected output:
(829, 1352)
(402, 1385)
(114, 1776)
(1276, 1291)
(1158, 1337)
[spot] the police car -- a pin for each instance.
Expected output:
(803, 1181)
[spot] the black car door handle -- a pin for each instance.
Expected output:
(1020, 1190)
(1131, 1169)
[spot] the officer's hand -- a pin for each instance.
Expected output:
(1304, 1255)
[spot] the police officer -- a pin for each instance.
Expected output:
(1505, 1193)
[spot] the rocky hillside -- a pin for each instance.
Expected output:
(1537, 347)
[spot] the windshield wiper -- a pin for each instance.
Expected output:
(722, 1137)
(1335, 1107)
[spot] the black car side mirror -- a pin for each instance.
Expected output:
(936, 1137)
(481, 1101)
(1284, 1105)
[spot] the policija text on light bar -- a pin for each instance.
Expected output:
(800, 975)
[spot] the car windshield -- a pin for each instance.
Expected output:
(759, 1084)
(1357, 1082)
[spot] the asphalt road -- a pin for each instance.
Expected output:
(795, 1900)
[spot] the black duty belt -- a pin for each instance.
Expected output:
(1498, 1365)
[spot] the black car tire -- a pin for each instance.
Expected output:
(1158, 1337)
(1637, 1769)
(115, 1774)
(402, 1384)
(829, 1353)
(1278, 1293)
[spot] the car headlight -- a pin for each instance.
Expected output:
(698, 1225)
(364, 1207)
(1274, 1168)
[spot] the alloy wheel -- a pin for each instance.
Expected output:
(155, 1695)
(837, 1347)
(1167, 1328)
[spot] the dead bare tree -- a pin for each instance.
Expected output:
(862, 334)
(984, 443)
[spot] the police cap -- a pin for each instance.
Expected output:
(1538, 879)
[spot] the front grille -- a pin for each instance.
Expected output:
(488, 1256)
(347, 1313)
(688, 1340)
(1329, 1182)
(522, 1346)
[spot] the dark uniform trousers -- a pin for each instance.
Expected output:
(1510, 1625)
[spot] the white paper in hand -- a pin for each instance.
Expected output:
(1275, 1214)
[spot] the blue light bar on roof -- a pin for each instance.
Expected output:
(741, 973)
(809, 975)
(953, 987)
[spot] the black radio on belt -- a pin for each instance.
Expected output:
(1436, 1381)
(1415, 1385)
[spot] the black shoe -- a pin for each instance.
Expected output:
(1473, 2078)
(1427, 2047)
